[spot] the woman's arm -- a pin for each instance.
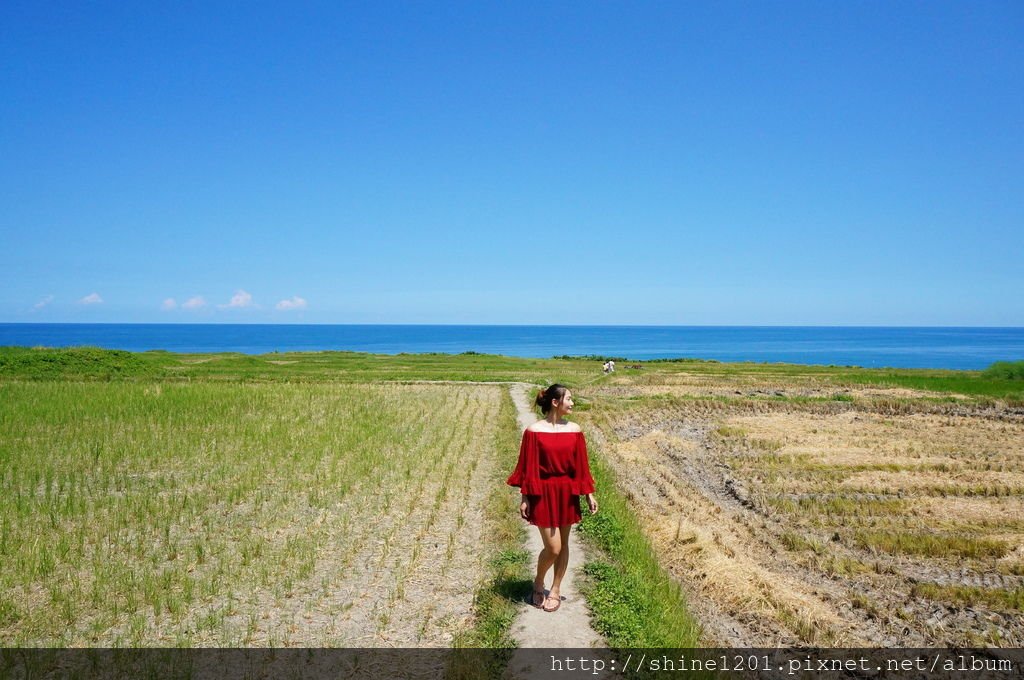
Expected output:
(583, 483)
(527, 473)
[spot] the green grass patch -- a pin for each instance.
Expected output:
(91, 363)
(1005, 370)
(83, 363)
(634, 602)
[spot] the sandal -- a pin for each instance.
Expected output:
(558, 603)
(533, 598)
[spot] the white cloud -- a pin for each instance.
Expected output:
(194, 302)
(42, 303)
(91, 299)
(239, 299)
(295, 303)
(169, 303)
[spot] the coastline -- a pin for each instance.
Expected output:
(970, 348)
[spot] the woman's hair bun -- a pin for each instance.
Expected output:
(546, 396)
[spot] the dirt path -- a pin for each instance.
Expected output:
(533, 628)
(570, 625)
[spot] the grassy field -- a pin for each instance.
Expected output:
(698, 377)
(257, 514)
(328, 499)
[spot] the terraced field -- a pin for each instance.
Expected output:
(802, 513)
(305, 499)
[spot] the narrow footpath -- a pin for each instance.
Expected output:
(570, 625)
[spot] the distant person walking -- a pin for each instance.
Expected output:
(552, 473)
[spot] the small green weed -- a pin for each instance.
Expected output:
(997, 598)
(930, 544)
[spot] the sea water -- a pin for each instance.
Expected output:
(904, 347)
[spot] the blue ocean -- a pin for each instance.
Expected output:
(958, 348)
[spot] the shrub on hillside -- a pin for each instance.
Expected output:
(1005, 370)
(73, 362)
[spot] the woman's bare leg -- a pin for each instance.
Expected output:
(561, 561)
(551, 537)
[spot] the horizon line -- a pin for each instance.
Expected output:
(488, 325)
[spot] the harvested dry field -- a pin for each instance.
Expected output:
(204, 514)
(795, 513)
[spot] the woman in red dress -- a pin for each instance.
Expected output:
(552, 473)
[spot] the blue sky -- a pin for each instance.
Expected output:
(750, 163)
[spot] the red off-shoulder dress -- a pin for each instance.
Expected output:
(553, 471)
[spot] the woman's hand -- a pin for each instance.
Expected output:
(592, 503)
(524, 508)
